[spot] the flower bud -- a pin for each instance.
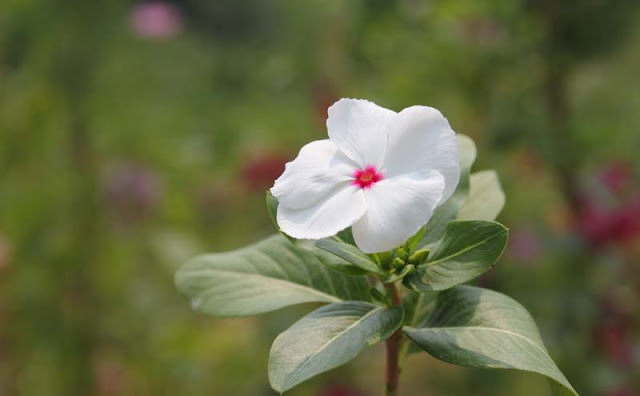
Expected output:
(400, 252)
(419, 256)
(398, 263)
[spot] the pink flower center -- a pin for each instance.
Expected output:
(365, 178)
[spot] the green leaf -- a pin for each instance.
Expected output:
(329, 259)
(466, 250)
(272, 209)
(413, 242)
(346, 236)
(475, 327)
(449, 210)
(326, 338)
(349, 253)
(486, 198)
(407, 269)
(263, 277)
(417, 307)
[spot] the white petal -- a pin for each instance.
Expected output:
(337, 211)
(421, 139)
(359, 128)
(319, 167)
(396, 209)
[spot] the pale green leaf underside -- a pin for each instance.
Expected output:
(417, 307)
(263, 277)
(329, 259)
(466, 250)
(486, 198)
(475, 327)
(350, 254)
(327, 338)
(272, 207)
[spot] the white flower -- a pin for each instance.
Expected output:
(381, 172)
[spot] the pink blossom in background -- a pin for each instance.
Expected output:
(156, 19)
(524, 246)
(615, 176)
(132, 192)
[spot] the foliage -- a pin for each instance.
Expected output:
(466, 326)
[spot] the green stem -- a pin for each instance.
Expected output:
(393, 348)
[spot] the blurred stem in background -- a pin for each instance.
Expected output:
(80, 305)
(555, 73)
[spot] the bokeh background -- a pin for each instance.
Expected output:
(136, 134)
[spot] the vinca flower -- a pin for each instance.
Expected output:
(380, 172)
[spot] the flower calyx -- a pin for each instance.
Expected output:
(404, 263)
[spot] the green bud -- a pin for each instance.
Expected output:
(400, 252)
(395, 277)
(398, 263)
(419, 257)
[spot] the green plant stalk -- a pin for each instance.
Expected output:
(393, 348)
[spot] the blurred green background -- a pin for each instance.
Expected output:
(136, 134)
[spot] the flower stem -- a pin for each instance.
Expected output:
(393, 348)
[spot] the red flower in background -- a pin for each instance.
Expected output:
(614, 334)
(607, 216)
(323, 95)
(259, 172)
(601, 225)
(616, 338)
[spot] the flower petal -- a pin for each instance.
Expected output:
(340, 209)
(421, 139)
(319, 167)
(396, 209)
(359, 128)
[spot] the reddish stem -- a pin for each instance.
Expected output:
(393, 348)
